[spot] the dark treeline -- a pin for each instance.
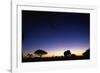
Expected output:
(67, 56)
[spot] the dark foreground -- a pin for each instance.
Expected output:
(54, 59)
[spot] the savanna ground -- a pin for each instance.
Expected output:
(58, 58)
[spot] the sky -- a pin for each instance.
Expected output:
(55, 32)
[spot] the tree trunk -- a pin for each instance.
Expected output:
(40, 56)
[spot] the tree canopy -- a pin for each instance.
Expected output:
(67, 53)
(87, 53)
(40, 52)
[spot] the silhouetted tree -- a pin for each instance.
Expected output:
(29, 55)
(40, 52)
(67, 53)
(87, 53)
(73, 55)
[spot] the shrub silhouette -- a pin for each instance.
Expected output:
(73, 55)
(29, 55)
(40, 52)
(67, 53)
(87, 53)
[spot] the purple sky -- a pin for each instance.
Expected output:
(55, 31)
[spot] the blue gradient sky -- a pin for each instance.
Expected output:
(54, 31)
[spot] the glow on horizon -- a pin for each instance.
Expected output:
(59, 52)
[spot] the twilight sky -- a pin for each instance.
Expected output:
(55, 32)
